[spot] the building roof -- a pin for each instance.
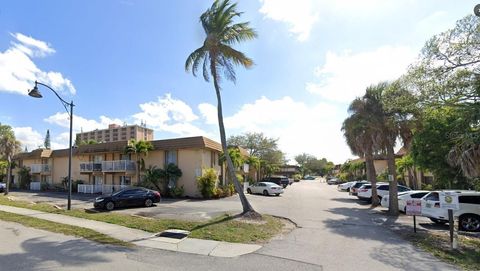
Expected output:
(119, 146)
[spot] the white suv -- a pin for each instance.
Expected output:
(365, 191)
(468, 213)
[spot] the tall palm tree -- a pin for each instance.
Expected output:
(217, 57)
(362, 138)
(138, 148)
(9, 146)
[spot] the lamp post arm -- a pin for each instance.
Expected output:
(65, 103)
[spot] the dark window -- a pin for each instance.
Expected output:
(469, 199)
(382, 187)
(366, 186)
(403, 188)
(433, 197)
(418, 195)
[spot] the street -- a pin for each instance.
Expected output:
(334, 232)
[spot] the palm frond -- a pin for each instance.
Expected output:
(194, 59)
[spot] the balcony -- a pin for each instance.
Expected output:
(39, 168)
(108, 166)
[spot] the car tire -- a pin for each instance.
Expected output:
(437, 221)
(277, 194)
(249, 191)
(469, 222)
(109, 206)
(148, 203)
(265, 193)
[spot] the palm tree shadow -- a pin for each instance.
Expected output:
(216, 221)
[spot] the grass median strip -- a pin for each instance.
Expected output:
(223, 228)
(466, 256)
(61, 228)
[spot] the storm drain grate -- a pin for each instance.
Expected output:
(175, 234)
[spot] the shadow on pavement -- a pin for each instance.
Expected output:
(351, 200)
(41, 255)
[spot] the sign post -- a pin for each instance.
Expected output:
(449, 200)
(414, 208)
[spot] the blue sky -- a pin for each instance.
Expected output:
(123, 61)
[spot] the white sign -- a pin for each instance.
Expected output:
(414, 207)
(449, 200)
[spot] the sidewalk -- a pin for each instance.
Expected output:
(143, 238)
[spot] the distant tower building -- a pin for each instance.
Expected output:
(116, 132)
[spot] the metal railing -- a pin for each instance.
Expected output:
(99, 188)
(39, 168)
(108, 166)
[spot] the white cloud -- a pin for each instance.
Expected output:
(81, 123)
(168, 114)
(298, 126)
(346, 76)
(209, 113)
(18, 71)
(28, 137)
(302, 15)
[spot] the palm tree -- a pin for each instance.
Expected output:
(138, 148)
(362, 138)
(217, 57)
(9, 146)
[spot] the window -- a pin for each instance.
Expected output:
(403, 188)
(171, 157)
(469, 199)
(125, 180)
(418, 195)
(382, 187)
(433, 197)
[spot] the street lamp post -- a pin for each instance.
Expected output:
(36, 94)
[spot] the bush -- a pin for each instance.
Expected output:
(427, 186)
(297, 177)
(177, 191)
(231, 188)
(207, 183)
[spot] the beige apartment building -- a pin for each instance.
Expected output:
(117, 132)
(104, 167)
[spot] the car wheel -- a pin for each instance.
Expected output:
(148, 202)
(437, 221)
(265, 192)
(277, 194)
(469, 223)
(110, 205)
(249, 191)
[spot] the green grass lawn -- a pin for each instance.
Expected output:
(466, 256)
(223, 228)
(61, 228)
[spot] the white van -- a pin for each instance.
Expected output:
(468, 213)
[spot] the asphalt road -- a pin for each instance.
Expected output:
(335, 232)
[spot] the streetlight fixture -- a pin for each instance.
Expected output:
(36, 94)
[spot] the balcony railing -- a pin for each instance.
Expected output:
(108, 166)
(39, 168)
(99, 188)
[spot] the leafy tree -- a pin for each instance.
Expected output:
(207, 183)
(217, 57)
(138, 148)
(24, 177)
(156, 177)
(172, 173)
(46, 144)
(302, 160)
(9, 146)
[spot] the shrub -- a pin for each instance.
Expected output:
(239, 177)
(427, 186)
(177, 191)
(231, 188)
(207, 183)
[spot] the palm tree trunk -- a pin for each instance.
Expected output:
(9, 173)
(393, 187)
(138, 168)
(371, 177)
(247, 208)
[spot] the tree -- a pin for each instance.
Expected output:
(9, 146)
(156, 176)
(138, 148)
(172, 173)
(302, 160)
(217, 56)
(46, 143)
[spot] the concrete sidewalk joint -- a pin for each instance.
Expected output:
(143, 238)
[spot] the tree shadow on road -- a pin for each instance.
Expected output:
(39, 254)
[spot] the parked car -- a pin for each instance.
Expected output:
(127, 197)
(365, 191)
(345, 186)
(468, 213)
(354, 189)
(265, 188)
(403, 197)
(309, 178)
(290, 181)
(2, 187)
(279, 180)
(333, 181)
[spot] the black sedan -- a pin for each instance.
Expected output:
(128, 197)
